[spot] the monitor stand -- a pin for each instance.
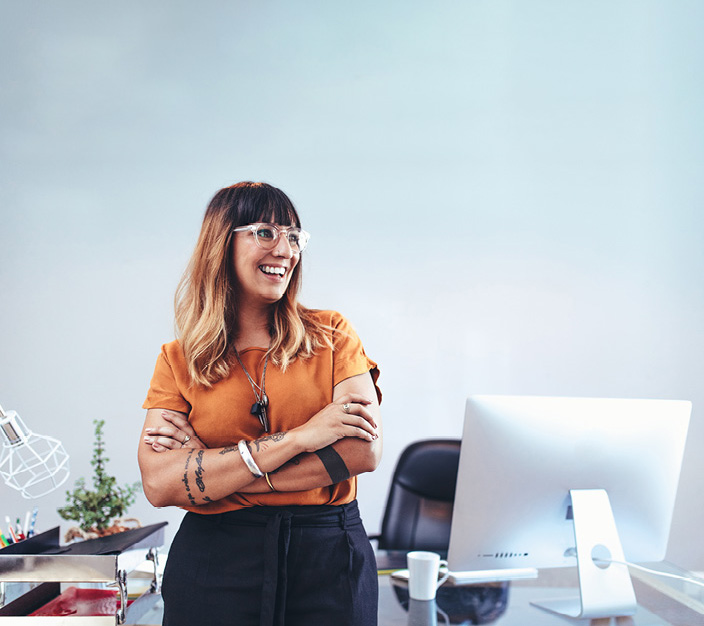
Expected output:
(605, 588)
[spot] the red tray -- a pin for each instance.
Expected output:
(75, 601)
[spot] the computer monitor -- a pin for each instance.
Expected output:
(553, 482)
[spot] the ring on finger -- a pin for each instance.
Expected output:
(346, 407)
(186, 439)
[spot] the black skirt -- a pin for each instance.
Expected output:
(272, 566)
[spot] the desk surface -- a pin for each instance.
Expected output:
(661, 602)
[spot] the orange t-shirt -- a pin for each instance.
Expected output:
(221, 415)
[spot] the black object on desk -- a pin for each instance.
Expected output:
(468, 604)
(48, 542)
(110, 544)
(38, 544)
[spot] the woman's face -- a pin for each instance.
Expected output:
(262, 275)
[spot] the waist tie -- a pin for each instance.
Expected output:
(278, 521)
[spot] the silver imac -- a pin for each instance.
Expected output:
(553, 482)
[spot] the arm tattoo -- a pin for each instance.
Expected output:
(334, 465)
(228, 449)
(262, 443)
(199, 471)
(191, 499)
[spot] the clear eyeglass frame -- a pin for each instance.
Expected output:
(267, 236)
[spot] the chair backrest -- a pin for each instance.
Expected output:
(418, 511)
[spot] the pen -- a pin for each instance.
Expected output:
(33, 521)
(3, 542)
(9, 527)
(18, 530)
(25, 529)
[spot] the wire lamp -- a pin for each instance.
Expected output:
(33, 464)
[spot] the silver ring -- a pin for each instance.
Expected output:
(346, 407)
(186, 439)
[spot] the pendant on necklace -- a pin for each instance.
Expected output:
(259, 409)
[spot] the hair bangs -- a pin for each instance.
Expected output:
(264, 203)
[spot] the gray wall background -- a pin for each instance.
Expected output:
(505, 197)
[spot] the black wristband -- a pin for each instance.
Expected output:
(334, 464)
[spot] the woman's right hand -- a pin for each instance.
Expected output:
(347, 416)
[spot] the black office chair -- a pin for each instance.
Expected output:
(418, 510)
(418, 516)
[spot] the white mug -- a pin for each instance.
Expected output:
(423, 569)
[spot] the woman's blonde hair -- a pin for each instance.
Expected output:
(206, 298)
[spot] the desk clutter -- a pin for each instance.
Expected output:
(32, 572)
(18, 532)
(462, 603)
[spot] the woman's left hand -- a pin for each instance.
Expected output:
(177, 433)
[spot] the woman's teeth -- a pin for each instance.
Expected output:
(270, 269)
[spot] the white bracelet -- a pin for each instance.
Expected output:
(248, 459)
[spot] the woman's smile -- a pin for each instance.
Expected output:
(263, 275)
(273, 271)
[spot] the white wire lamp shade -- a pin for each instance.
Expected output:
(33, 464)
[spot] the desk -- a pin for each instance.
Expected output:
(661, 602)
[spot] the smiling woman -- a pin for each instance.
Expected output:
(224, 272)
(265, 261)
(259, 418)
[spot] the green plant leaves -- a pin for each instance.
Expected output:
(95, 509)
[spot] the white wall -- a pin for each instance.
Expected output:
(505, 197)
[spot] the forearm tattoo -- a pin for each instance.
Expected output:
(191, 499)
(264, 442)
(334, 465)
(199, 471)
(228, 449)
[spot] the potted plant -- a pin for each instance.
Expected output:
(99, 511)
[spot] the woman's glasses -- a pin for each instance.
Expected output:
(267, 236)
